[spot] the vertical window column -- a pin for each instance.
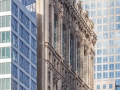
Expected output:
(64, 41)
(78, 58)
(55, 30)
(72, 50)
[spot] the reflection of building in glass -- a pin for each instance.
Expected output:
(30, 6)
(18, 69)
(106, 16)
(117, 84)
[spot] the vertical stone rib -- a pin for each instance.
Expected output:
(52, 16)
(81, 58)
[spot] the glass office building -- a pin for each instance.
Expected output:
(18, 45)
(106, 16)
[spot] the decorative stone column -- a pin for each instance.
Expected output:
(75, 53)
(81, 58)
(55, 82)
(68, 43)
(52, 22)
(61, 29)
(59, 84)
(85, 66)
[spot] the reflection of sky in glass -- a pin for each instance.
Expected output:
(118, 88)
(30, 6)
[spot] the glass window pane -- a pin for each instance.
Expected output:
(3, 68)
(7, 5)
(3, 21)
(8, 83)
(3, 5)
(3, 37)
(3, 52)
(7, 52)
(0, 5)
(0, 21)
(8, 36)
(3, 84)
(7, 68)
(8, 21)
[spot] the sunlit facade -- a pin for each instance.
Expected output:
(106, 16)
(18, 45)
(65, 46)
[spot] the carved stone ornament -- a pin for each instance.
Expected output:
(55, 79)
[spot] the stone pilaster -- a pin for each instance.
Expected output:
(52, 22)
(68, 45)
(61, 29)
(81, 58)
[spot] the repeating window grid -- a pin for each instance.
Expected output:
(32, 54)
(112, 57)
(28, 75)
(32, 36)
(31, 25)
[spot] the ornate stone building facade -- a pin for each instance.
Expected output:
(65, 46)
